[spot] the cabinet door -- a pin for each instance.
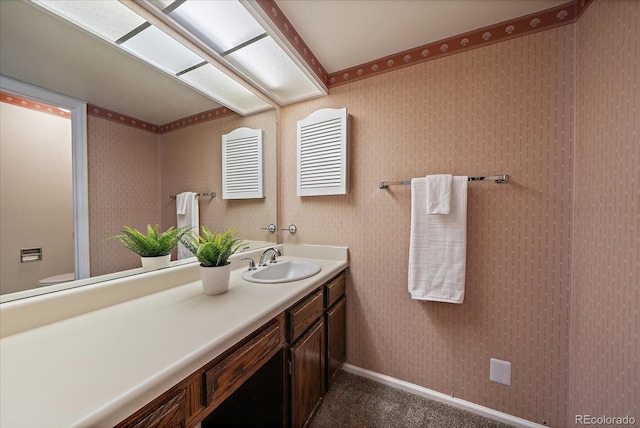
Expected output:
(307, 374)
(336, 339)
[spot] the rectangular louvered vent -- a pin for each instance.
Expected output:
(242, 164)
(322, 153)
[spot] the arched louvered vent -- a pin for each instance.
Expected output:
(322, 153)
(242, 164)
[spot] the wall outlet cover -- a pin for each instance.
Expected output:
(500, 371)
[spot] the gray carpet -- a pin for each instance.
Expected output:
(356, 402)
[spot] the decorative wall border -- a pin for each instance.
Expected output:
(34, 105)
(93, 110)
(522, 26)
(195, 119)
(216, 113)
(539, 21)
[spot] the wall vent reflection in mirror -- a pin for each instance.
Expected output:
(242, 170)
(322, 153)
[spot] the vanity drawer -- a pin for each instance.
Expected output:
(229, 374)
(170, 412)
(304, 314)
(334, 290)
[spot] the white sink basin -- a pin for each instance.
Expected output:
(291, 270)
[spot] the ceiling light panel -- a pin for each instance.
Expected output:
(221, 24)
(161, 50)
(266, 64)
(214, 83)
(108, 19)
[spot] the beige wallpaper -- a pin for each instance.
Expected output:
(505, 108)
(124, 190)
(191, 159)
(605, 298)
(132, 172)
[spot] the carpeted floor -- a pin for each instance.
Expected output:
(356, 402)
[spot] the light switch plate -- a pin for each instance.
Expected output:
(500, 371)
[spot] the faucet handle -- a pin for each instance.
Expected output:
(252, 264)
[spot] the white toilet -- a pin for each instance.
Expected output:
(57, 279)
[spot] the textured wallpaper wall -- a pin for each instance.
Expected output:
(191, 159)
(605, 298)
(505, 108)
(124, 190)
(132, 172)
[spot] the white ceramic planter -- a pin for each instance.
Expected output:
(154, 263)
(215, 280)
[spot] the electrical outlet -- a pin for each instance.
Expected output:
(500, 371)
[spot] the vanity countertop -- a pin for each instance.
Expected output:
(97, 368)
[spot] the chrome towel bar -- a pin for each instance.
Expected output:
(212, 194)
(503, 178)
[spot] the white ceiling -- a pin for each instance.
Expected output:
(346, 33)
(40, 49)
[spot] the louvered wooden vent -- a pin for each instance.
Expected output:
(242, 164)
(322, 153)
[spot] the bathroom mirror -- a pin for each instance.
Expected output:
(184, 159)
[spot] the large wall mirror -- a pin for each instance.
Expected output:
(131, 170)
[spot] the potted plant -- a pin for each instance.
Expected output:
(213, 251)
(155, 247)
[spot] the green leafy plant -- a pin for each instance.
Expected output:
(154, 243)
(212, 249)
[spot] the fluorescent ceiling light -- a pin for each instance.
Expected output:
(266, 64)
(158, 48)
(108, 19)
(221, 24)
(232, 32)
(216, 84)
(116, 23)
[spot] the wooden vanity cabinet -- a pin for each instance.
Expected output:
(306, 358)
(335, 318)
(190, 401)
(317, 347)
(277, 376)
(164, 412)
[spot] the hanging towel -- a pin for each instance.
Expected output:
(187, 214)
(439, 193)
(437, 245)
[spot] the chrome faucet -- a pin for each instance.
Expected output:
(271, 254)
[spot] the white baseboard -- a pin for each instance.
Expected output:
(442, 398)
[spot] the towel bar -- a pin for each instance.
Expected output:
(212, 194)
(502, 178)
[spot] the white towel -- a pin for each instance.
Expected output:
(187, 214)
(438, 245)
(439, 193)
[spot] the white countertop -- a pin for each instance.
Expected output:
(99, 367)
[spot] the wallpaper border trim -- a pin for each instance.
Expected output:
(34, 105)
